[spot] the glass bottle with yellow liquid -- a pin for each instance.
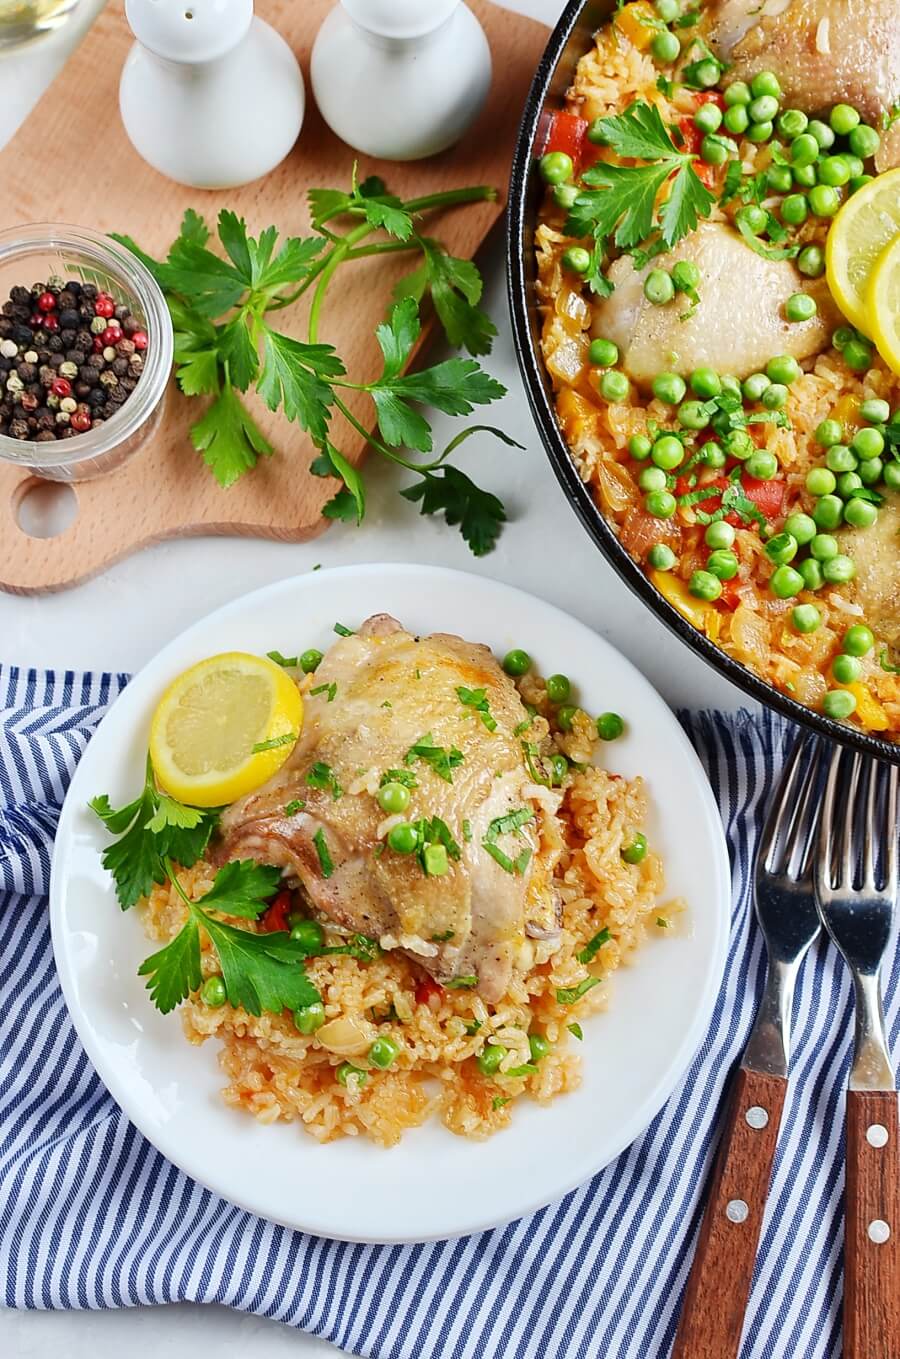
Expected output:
(22, 20)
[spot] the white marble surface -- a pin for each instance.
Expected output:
(120, 619)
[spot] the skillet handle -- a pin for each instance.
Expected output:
(872, 1229)
(715, 1300)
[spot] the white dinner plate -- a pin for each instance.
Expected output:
(433, 1184)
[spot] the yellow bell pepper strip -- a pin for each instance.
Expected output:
(869, 711)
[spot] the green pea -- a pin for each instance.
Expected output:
(639, 447)
(860, 513)
(820, 481)
(558, 688)
(858, 182)
(811, 572)
(785, 582)
(855, 166)
(763, 108)
(559, 768)
(794, 209)
(668, 387)
(804, 149)
(556, 167)
(652, 479)
(839, 704)
(839, 570)
(822, 133)
(658, 287)
(661, 504)
(346, 1070)
(538, 1046)
(823, 547)
(753, 218)
(564, 196)
(614, 386)
(685, 276)
(490, 1057)
(848, 482)
(753, 386)
(213, 992)
(800, 307)
(840, 458)
(691, 415)
(714, 150)
(759, 132)
(393, 798)
(834, 171)
(892, 476)
(842, 337)
(828, 432)
(667, 452)
(783, 368)
(609, 726)
(706, 383)
(806, 617)
(828, 512)
(871, 472)
(864, 141)
(763, 465)
(636, 851)
(577, 259)
(403, 839)
(309, 1017)
(779, 179)
(603, 353)
(667, 10)
(730, 386)
(566, 716)
(858, 355)
(723, 564)
(791, 123)
(661, 557)
(383, 1052)
(665, 47)
(800, 526)
(765, 83)
(811, 261)
(704, 585)
(846, 669)
(858, 640)
(737, 93)
(824, 201)
(875, 411)
(310, 661)
(309, 934)
(708, 118)
(719, 534)
(774, 398)
(706, 73)
(739, 444)
(713, 454)
(781, 548)
(736, 119)
(867, 443)
(804, 176)
(843, 119)
(517, 662)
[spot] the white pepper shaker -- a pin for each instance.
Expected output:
(400, 79)
(210, 95)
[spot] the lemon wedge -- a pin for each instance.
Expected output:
(883, 298)
(865, 224)
(223, 727)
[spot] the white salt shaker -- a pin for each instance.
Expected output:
(210, 95)
(400, 79)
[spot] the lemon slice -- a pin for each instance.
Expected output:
(858, 234)
(883, 298)
(223, 727)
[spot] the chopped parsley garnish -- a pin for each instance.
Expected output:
(151, 829)
(442, 761)
(326, 863)
(359, 946)
(688, 19)
(768, 252)
(499, 1100)
(288, 739)
(462, 983)
(342, 631)
(288, 662)
(443, 937)
(568, 995)
(329, 689)
(511, 824)
(404, 776)
(477, 699)
(321, 775)
(885, 663)
(473, 1026)
(467, 829)
(295, 805)
(576, 1031)
(527, 1069)
(593, 946)
(662, 922)
(522, 726)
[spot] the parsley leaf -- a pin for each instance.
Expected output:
(228, 438)
(441, 760)
(768, 252)
(569, 995)
(293, 376)
(448, 491)
(325, 861)
(243, 887)
(593, 946)
(321, 775)
(455, 286)
(477, 699)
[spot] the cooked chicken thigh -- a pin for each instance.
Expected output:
(823, 51)
(876, 551)
(738, 325)
(380, 693)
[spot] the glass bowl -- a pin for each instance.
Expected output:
(41, 251)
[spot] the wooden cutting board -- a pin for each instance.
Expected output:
(72, 162)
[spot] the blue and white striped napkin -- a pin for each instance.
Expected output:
(92, 1216)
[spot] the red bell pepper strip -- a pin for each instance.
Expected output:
(275, 917)
(567, 133)
(425, 989)
(767, 496)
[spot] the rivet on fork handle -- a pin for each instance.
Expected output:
(872, 1244)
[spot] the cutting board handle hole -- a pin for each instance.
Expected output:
(45, 509)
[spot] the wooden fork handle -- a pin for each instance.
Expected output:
(872, 1231)
(712, 1314)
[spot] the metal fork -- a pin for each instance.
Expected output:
(856, 892)
(712, 1315)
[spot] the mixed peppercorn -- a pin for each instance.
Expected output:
(70, 357)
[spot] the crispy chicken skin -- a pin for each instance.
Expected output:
(392, 689)
(739, 323)
(824, 52)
